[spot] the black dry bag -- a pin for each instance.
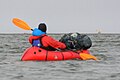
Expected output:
(76, 41)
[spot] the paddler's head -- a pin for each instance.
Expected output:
(42, 27)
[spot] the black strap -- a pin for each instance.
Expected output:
(41, 40)
(46, 55)
(62, 56)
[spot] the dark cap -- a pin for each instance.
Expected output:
(42, 27)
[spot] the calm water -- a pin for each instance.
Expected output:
(106, 47)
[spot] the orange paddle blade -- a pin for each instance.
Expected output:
(85, 56)
(21, 24)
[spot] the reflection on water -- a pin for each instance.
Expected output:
(105, 47)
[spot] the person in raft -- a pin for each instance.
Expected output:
(40, 39)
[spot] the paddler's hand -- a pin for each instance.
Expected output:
(58, 49)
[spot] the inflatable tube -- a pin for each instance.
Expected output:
(39, 54)
(35, 53)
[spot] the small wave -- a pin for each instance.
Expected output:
(101, 56)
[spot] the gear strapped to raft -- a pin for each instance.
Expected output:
(76, 41)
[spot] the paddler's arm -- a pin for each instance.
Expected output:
(49, 41)
(31, 38)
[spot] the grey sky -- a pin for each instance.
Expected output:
(62, 15)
